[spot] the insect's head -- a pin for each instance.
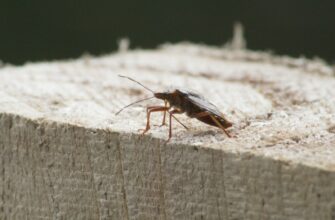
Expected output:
(173, 97)
(162, 95)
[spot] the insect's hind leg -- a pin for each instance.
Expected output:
(203, 114)
(219, 124)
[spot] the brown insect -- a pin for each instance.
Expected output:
(180, 101)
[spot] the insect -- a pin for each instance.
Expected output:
(179, 101)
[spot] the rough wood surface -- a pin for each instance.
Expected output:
(65, 155)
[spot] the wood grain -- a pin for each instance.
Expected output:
(65, 155)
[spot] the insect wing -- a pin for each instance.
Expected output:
(209, 107)
(203, 103)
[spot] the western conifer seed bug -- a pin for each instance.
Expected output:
(180, 101)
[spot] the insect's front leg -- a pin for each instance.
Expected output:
(164, 116)
(151, 109)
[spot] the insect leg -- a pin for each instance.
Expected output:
(164, 116)
(219, 124)
(153, 109)
(175, 111)
(203, 114)
(155, 106)
(179, 122)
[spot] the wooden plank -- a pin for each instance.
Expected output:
(65, 154)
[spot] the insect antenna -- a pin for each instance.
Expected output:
(137, 83)
(133, 103)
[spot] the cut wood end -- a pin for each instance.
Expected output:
(280, 108)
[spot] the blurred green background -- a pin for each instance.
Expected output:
(59, 29)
